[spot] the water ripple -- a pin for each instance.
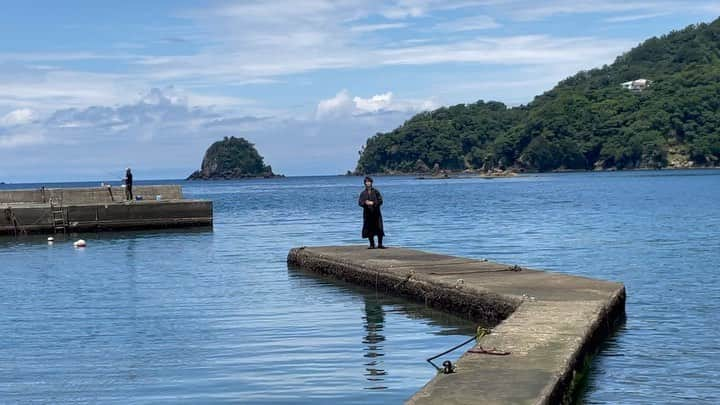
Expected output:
(217, 317)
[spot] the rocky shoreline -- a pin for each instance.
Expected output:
(473, 174)
(198, 175)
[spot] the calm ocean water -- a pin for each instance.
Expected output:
(216, 316)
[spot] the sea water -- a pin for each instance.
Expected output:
(216, 316)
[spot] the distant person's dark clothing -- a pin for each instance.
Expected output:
(372, 216)
(128, 185)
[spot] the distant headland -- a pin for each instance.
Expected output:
(232, 158)
(655, 107)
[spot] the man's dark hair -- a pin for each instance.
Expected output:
(368, 178)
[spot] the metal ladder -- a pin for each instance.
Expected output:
(59, 221)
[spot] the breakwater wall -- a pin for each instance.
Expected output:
(99, 209)
(551, 324)
(88, 195)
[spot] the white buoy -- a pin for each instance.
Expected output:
(80, 243)
(51, 239)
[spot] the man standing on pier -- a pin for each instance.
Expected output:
(128, 184)
(371, 200)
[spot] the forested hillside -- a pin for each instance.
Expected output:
(232, 158)
(588, 121)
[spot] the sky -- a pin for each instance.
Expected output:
(90, 87)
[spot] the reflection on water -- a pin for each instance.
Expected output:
(200, 317)
(374, 319)
(381, 347)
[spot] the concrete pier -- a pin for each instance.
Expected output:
(99, 209)
(552, 324)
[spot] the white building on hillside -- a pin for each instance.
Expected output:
(636, 85)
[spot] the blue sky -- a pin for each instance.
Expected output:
(88, 87)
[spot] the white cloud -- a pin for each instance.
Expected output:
(253, 41)
(474, 23)
(245, 43)
(403, 9)
(635, 17)
(377, 27)
(532, 10)
(375, 103)
(168, 96)
(328, 146)
(47, 90)
(161, 132)
(338, 105)
(274, 60)
(159, 112)
(64, 56)
(257, 41)
(343, 105)
(164, 132)
(403, 12)
(17, 117)
(20, 139)
(517, 50)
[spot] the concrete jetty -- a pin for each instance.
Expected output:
(46, 210)
(552, 324)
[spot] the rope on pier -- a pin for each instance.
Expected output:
(514, 268)
(481, 332)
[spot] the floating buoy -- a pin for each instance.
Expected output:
(80, 243)
(51, 239)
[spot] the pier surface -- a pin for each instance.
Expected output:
(99, 208)
(551, 323)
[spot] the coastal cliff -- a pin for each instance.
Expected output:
(232, 158)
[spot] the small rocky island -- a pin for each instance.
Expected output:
(232, 158)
